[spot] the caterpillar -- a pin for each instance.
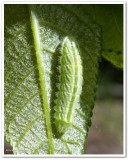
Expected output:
(70, 86)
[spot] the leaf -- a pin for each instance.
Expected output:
(110, 17)
(32, 39)
(115, 58)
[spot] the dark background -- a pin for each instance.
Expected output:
(106, 132)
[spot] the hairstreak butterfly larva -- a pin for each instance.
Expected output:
(70, 84)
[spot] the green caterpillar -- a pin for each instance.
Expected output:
(70, 84)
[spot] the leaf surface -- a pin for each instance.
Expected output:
(32, 38)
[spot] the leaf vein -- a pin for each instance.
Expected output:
(27, 129)
(16, 89)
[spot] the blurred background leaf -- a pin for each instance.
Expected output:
(115, 58)
(110, 17)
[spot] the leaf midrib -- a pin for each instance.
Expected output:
(38, 47)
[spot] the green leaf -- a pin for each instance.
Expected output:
(32, 39)
(115, 58)
(110, 17)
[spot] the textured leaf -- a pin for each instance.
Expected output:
(32, 39)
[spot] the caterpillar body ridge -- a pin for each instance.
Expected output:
(70, 84)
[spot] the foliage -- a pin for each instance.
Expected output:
(32, 37)
(110, 17)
